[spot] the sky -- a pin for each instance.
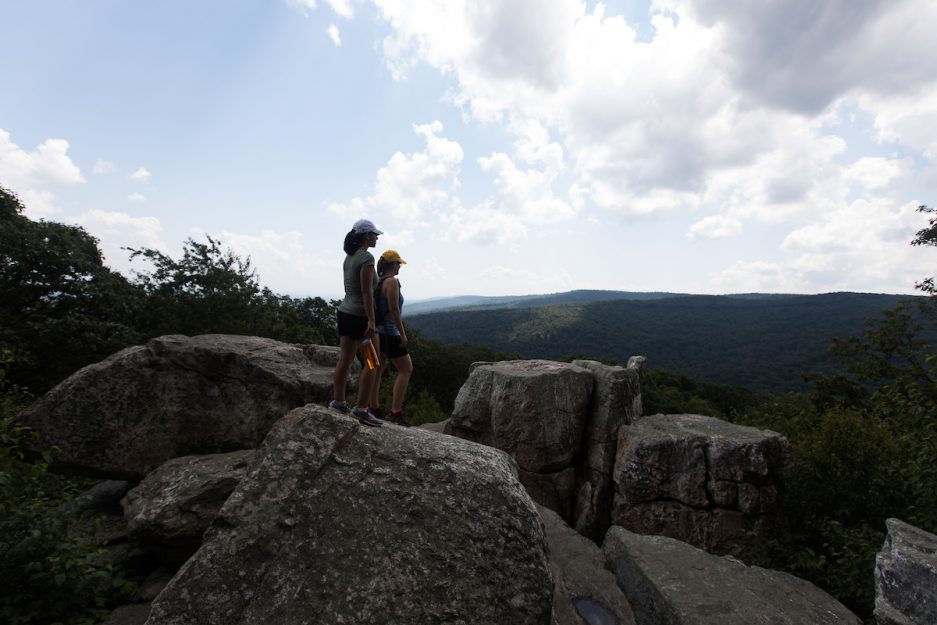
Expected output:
(505, 147)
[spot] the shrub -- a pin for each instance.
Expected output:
(50, 560)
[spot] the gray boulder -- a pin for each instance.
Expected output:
(697, 479)
(174, 505)
(669, 582)
(584, 591)
(536, 411)
(906, 576)
(177, 396)
(616, 401)
(340, 523)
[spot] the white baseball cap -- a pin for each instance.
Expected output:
(363, 226)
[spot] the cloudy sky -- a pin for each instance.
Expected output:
(505, 146)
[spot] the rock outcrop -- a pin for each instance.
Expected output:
(536, 411)
(174, 505)
(670, 582)
(177, 396)
(906, 576)
(697, 479)
(340, 523)
(585, 451)
(560, 422)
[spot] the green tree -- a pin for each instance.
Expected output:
(213, 290)
(866, 439)
(60, 307)
(927, 236)
(207, 290)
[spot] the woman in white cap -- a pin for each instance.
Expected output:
(393, 336)
(356, 320)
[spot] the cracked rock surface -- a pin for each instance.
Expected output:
(697, 479)
(336, 522)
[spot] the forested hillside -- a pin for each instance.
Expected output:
(757, 342)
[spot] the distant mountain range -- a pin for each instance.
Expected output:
(513, 301)
(755, 340)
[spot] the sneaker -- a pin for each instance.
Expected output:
(377, 412)
(341, 406)
(366, 417)
(398, 417)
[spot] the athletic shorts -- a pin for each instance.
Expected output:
(353, 326)
(390, 346)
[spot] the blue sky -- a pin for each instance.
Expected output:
(505, 147)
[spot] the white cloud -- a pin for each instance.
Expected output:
(906, 117)
(875, 173)
(759, 276)
(136, 197)
(484, 225)
(342, 8)
(715, 227)
(281, 259)
(515, 280)
(304, 6)
(526, 193)
(711, 105)
(141, 175)
(864, 246)
(102, 166)
(33, 175)
(334, 35)
(804, 55)
(115, 230)
(411, 184)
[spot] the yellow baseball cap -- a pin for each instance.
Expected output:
(391, 256)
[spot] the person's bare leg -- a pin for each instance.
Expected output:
(348, 348)
(365, 385)
(404, 366)
(376, 391)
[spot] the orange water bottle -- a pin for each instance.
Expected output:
(370, 354)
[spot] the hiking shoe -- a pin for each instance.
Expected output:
(341, 406)
(377, 412)
(366, 417)
(398, 417)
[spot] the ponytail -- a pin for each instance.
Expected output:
(352, 242)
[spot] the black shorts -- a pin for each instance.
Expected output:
(353, 326)
(390, 345)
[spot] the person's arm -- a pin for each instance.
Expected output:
(392, 293)
(367, 294)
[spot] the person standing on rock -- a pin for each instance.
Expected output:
(356, 320)
(393, 335)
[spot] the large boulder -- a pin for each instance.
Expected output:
(673, 583)
(340, 523)
(536, 411)
(173, 506)
(906, 576)
(177, 396)
(697, 479)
